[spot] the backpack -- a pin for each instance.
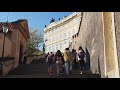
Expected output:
(81, 55)
(59, 59)
(69, 55)
(51, 59)
(48, 59)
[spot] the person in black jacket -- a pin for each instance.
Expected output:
(81, 58)
(25, 58)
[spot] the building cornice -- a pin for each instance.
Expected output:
(60, 23)
(58, 41)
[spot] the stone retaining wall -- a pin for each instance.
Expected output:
(6, 66)
(31, 58)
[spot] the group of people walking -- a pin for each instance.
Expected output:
(63, 62)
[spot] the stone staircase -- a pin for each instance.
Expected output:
(38, 69)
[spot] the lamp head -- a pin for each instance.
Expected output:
(5, 28)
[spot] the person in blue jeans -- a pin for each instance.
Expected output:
(59, 62)
(68, 61)
(81, 56)
(50, 61)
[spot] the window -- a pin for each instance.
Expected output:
(60, 45)
(65, 41)
(53, 48)
(69, 40)
(49, 40)
(56, 38)
(60, 37)
(60, 28)
(73, 32)
(53, 40)
(51, 32)
(69, 33)
(49, 48)
(56, 47)
(46, 51)
(65, 35)
(65, 25)
(48, 34)
(54, 31)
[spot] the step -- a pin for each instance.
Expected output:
(53, 76)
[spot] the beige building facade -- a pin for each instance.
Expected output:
(14, 46)
(59, 34)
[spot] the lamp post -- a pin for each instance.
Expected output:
(5, 30)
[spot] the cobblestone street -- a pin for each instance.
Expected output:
(38, 69)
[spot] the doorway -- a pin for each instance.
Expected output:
(21, 54)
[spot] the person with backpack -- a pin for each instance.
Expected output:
(52, 61)
(81, 56)
(59, 62)
(25, 58)
(74, 56)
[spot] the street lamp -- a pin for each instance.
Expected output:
(5, 30)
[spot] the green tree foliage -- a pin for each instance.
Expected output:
(36, 38)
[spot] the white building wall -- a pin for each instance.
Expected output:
(60, 34)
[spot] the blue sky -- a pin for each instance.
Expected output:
(35, 19)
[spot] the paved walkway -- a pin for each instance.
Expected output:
(38, 69)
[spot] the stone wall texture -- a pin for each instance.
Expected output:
(38, 57)
(117, 31)
(7, 66)
(90, 38)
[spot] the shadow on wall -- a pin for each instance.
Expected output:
(99, 72)
(87, 60)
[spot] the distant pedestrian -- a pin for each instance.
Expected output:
(68, 61)
(52, 62)
(74, 56)
(81, 56)
(25, 58)
(48, 61)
